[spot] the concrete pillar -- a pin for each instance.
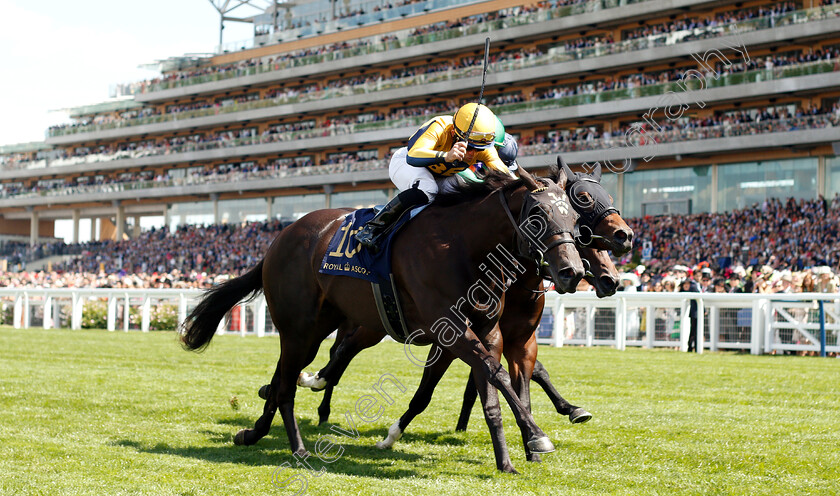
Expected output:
(821, 187)
(76, 218)
(714, 186)
(136, 231)
(120, 223)
(33, 226)
(619, 193)
(269, 202)
(167, 218)
(217, 219)
(328, 190)
(93, 229)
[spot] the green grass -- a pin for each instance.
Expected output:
(92, 412)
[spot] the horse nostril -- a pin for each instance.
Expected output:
(620, 236)
(568, 273)
(608, 282)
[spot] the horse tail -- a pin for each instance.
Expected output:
(202, 322)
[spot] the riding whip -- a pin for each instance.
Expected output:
(483, 78)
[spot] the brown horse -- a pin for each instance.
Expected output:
(523, 313)
(607, 229)
(437, 263)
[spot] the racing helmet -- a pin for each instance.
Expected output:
(483, 132)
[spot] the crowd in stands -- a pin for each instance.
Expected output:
(407, 76)
(775, 246)
(347, 124)
(729, 124)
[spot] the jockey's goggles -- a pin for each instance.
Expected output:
(477, 140)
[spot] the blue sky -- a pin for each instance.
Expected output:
(56, 54)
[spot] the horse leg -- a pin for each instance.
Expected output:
(487, 369)
(493, 416)
(353, 343)
(521, 365)
(431, 377)
(576, 414)
(470, 395)
(296, 351)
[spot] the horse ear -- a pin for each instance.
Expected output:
(571, 176)
(596, 174)
(528, 179)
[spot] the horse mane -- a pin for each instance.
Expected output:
(465, 191)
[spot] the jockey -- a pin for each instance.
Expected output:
(436, 152)
(506, 147)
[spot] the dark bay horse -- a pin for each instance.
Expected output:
(437, 262)
(521, 315)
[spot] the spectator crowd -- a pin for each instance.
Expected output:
(776, 246)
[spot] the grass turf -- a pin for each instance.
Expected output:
(92, 412)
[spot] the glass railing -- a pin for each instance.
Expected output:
(737, 78)
(369, 46)
(676, 133)
(200, 179)
(795, 17)
(679, 133)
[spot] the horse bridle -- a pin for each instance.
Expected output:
(590, 214)
(525, 245)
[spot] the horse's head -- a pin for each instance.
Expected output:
(600, 222)
(547, 226)
(603, 275)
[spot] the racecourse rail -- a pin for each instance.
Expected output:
(758, 323)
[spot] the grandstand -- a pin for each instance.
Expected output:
(700, 106)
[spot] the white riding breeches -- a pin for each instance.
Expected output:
(405, 176)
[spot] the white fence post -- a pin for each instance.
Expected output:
(558, 334)
(26, 310)
(590, 324)
(620, 323)
(48, 313)
(768, 327)
(77, 302)
(127, 313)
(650, 324)
(259, 316)
(146, 314)
(112, 313)
(714, 327)
(701, 325)
(17, 313)
(182, 308)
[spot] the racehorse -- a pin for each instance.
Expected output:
(521, 314)
(514, 333)
(351, 340)
(436, 264)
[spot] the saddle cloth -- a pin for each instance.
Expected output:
(346, 257)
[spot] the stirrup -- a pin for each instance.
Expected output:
(368, 238)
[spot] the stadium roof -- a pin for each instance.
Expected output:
(33, 146)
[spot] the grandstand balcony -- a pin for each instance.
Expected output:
(801, 79)
(529, 26)
(797, 133)
(756, 32)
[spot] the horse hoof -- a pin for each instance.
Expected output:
(394, 435)
(508, 469)
(540, 445)
(263, 392)
(313, 382)
(579, 416)
(239, 438)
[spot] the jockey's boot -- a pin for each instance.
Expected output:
(370, 235)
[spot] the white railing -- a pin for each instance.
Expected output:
(759, 323)
(755, 322)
